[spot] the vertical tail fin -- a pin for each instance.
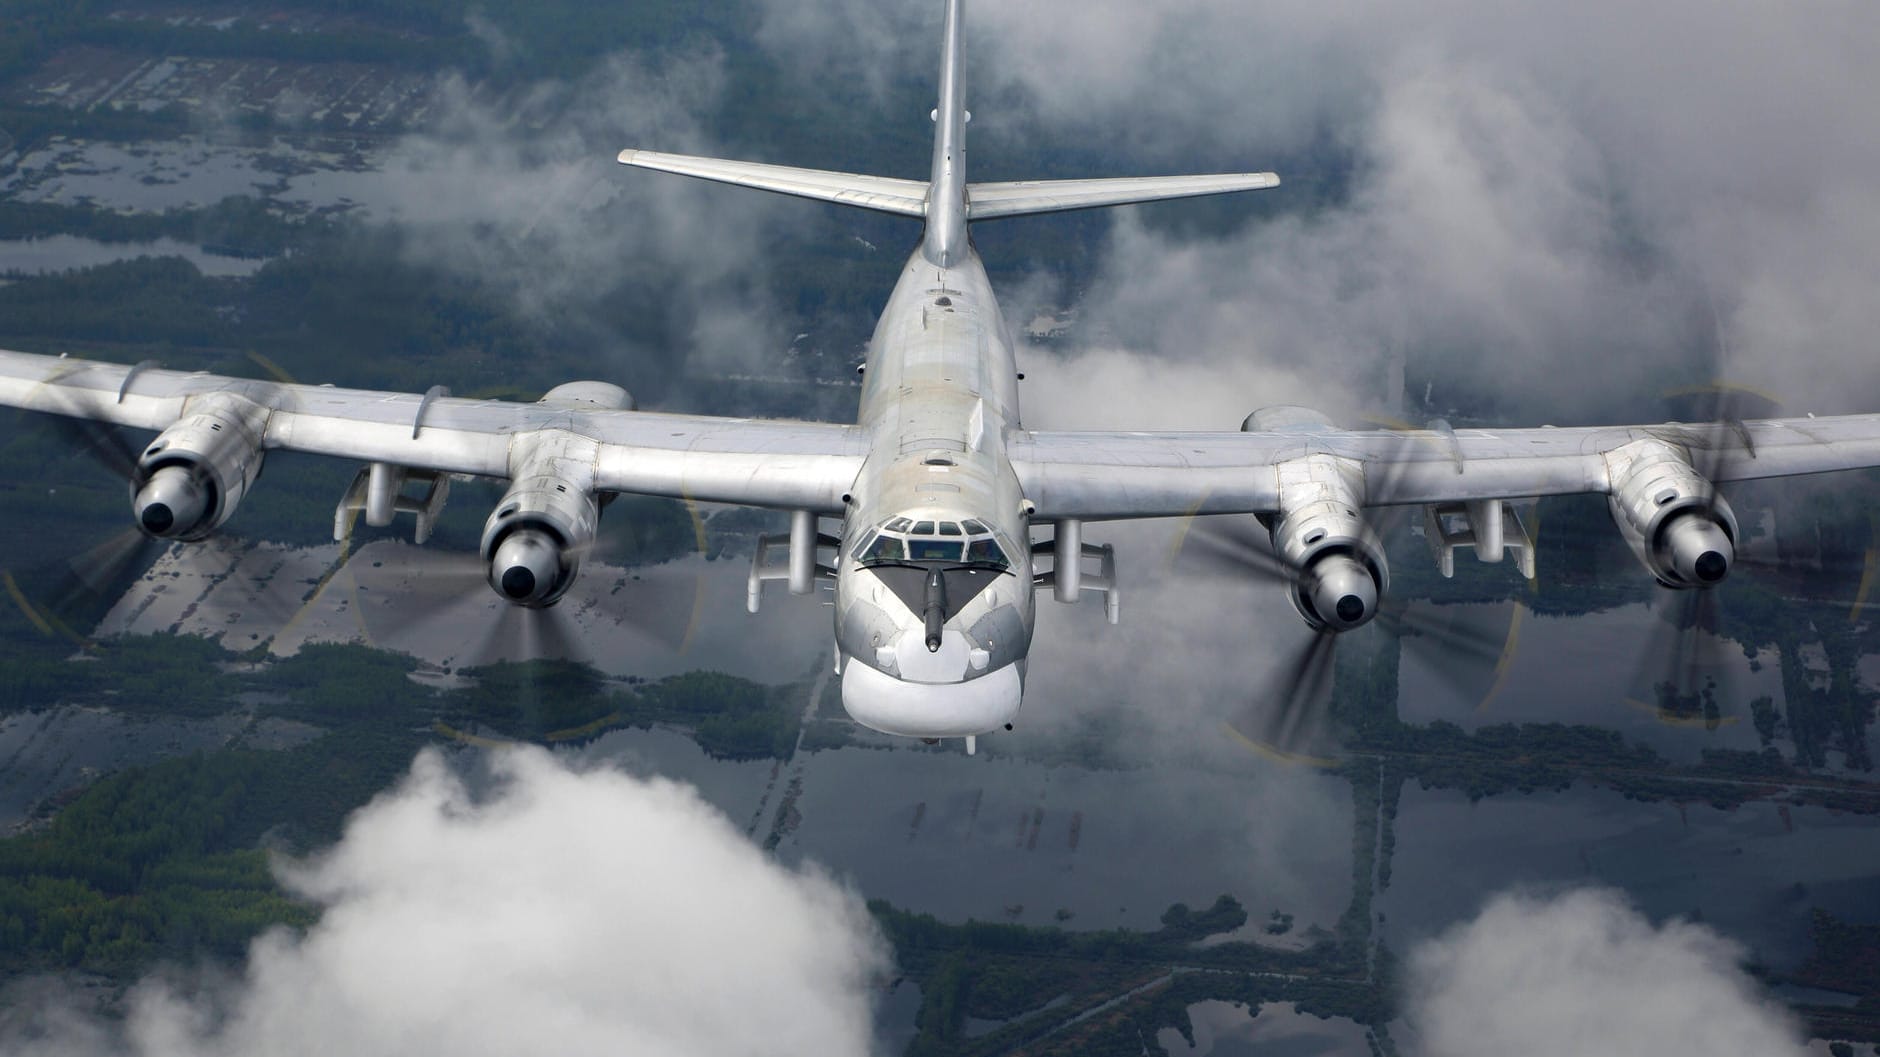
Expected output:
(945, 243)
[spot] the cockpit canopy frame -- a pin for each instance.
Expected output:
(938, 538)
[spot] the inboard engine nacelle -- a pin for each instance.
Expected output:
(191, 478)
(1340, 571)
(1336, 563)
(534, 541)
(1670, 515)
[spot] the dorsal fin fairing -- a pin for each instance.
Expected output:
(945, 242)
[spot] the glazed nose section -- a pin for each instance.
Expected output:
(881, 702)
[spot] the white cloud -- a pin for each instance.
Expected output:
(1584, 973)
(648, 273)
(558, 911)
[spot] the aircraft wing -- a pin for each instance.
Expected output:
(757, 462)
(1098, 476)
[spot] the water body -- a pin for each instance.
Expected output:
(1228, 1029)
(45, 753)
(896, 1017)
(734, 787)
(58, 253)
(1607, 654)
(1003, 840)
(186, 172)
(999, 839)
(1753, 873)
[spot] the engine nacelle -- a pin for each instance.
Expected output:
(192, 477)
(584, 396)
(1670, 515)
(534, 542)
(1341, 572)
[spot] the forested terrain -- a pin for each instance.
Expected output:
(168, 860)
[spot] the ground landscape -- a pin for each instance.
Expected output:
(398, 193)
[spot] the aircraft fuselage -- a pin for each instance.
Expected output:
(939, 391)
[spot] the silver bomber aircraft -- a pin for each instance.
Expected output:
(937, 488)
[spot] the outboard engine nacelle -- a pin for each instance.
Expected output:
(1670, 515)
(192, 477)
(534, 542)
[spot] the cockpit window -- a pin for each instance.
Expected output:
(987, 550)
(933, 550)
(968, 541)
(885, 549)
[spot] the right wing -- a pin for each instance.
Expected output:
(756, 462)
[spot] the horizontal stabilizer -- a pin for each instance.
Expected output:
(906, 197)
(1023, 197)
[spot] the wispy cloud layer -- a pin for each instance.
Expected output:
(1551, 211)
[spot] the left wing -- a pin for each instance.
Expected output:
(1099, 476)
(757, 462)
